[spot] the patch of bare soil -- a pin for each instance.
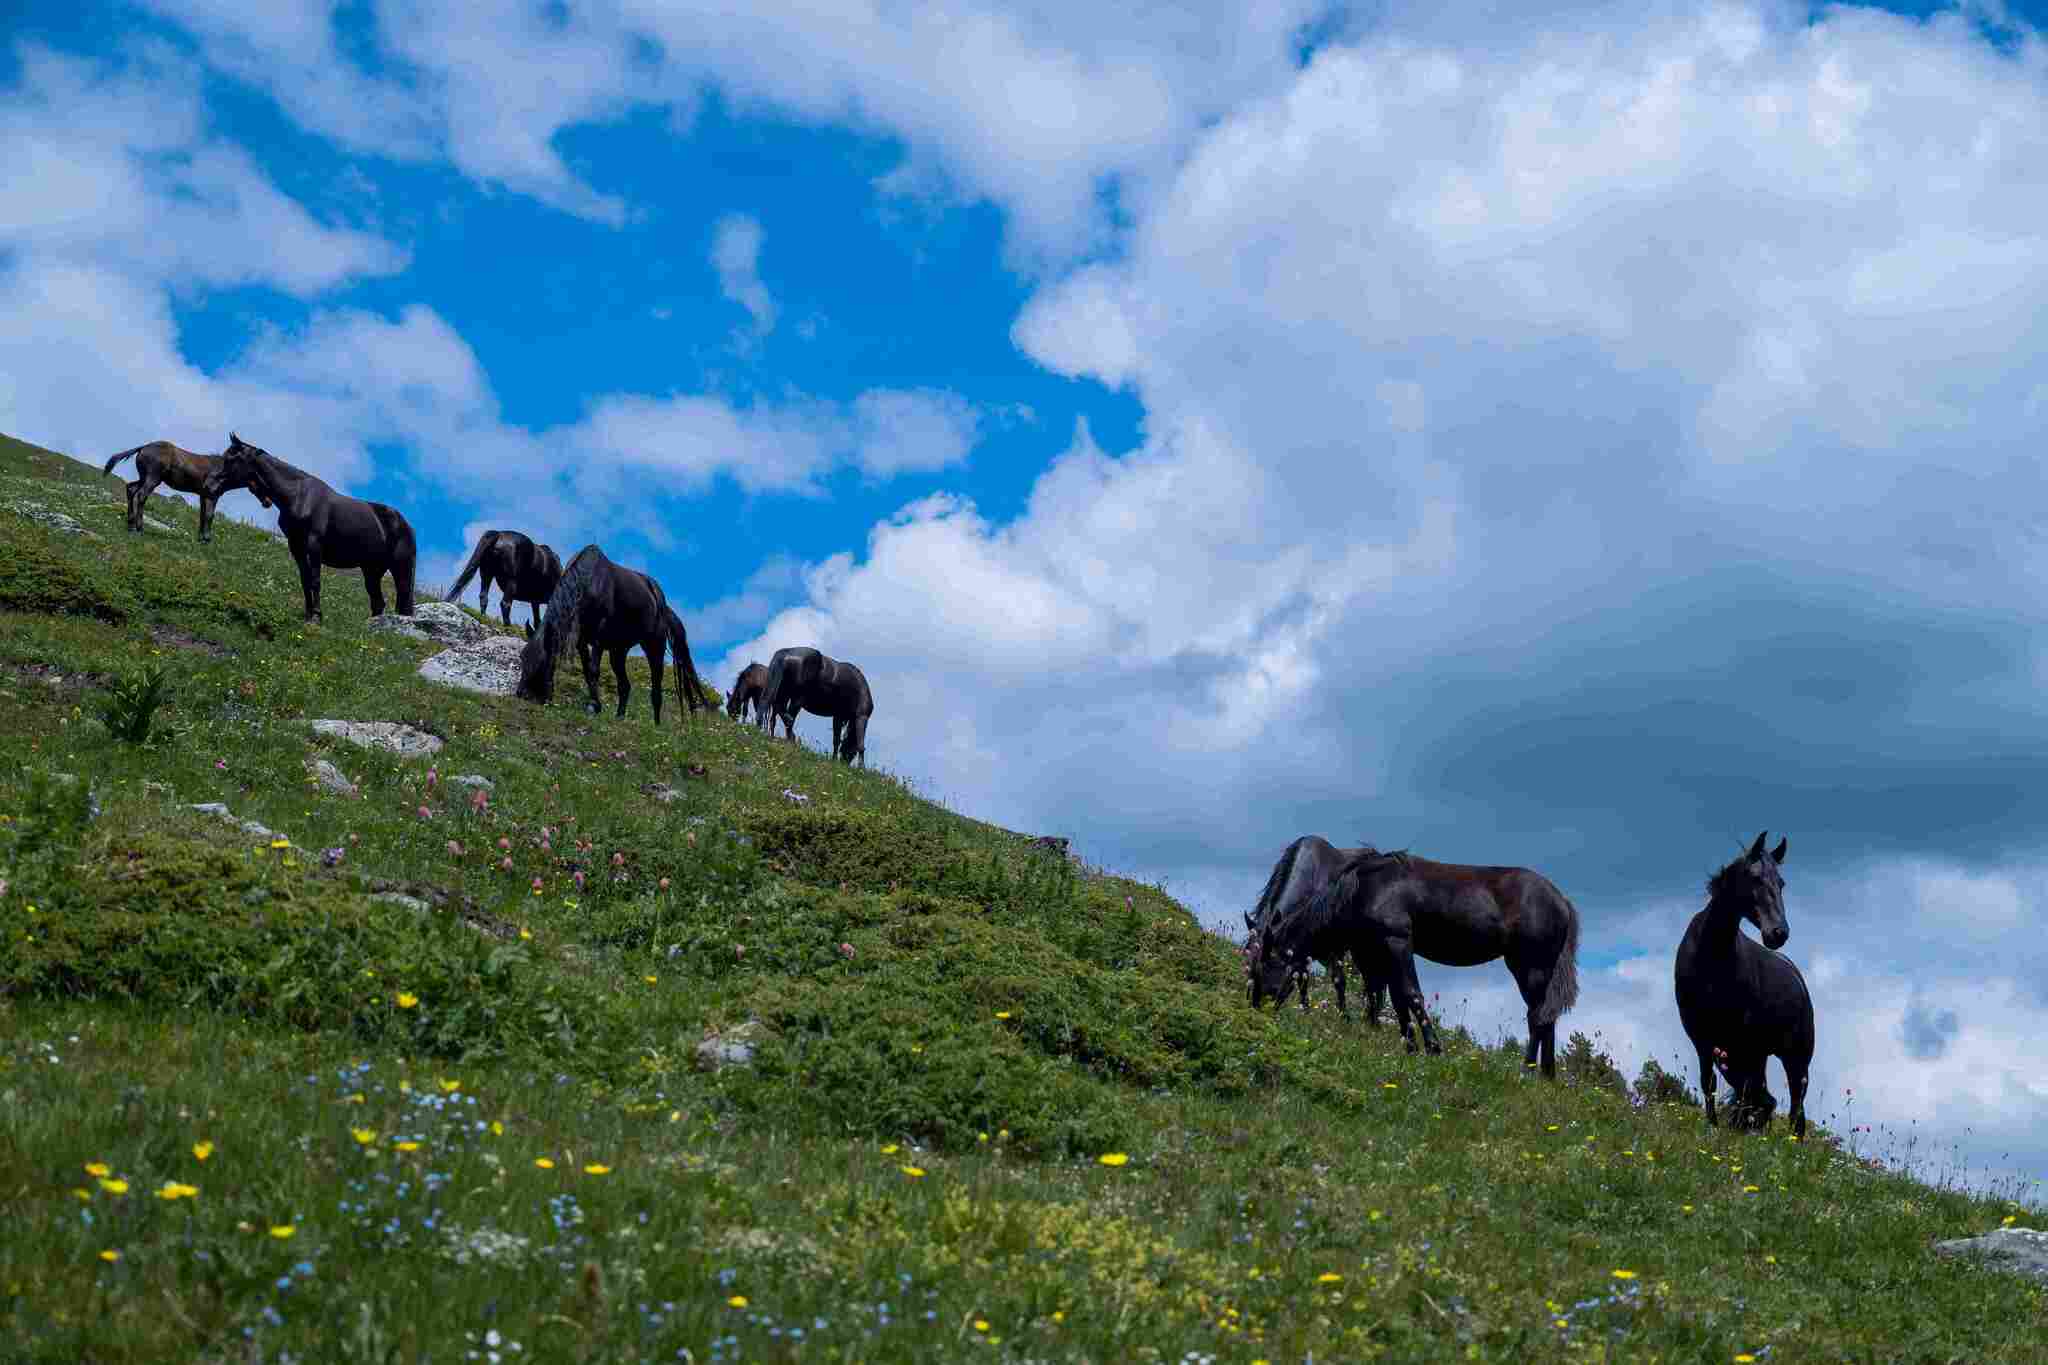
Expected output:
(173, 638)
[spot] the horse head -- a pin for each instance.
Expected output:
(537, 666)
(1763, 893)
(238, 468)
(1271, 967)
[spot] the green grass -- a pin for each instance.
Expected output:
(949, 1030)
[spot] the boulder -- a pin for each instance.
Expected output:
(249, 827)
(2022, 1251)
(442, 622)
(734, 1047)
(402, 740)
(490, 666)
(472, 780)
(329, 778)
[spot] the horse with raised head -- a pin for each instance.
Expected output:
(524, 569)
(802, 679)
(160, 462)
(747, 690)
(324, 527)
(1398, 907)
(1743, 1003)
(1305, 867)
(607, 608)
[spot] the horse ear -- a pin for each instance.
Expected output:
(1778, 853)
(1756, 849)
(233, 439)
(1247, 919)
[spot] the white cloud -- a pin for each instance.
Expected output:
(736, 256)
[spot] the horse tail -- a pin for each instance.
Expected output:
(1564, 973)
(765, 714)
(108, 468)
(476, 559)
(687, 681)
(1281, 870)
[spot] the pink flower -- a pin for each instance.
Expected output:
(454, 849)
(846, 950)
(739, 950)
(433, 776)
(546, 847)
(479, 799)
(505, 865)
(536, 884)
(221, 764)
(664, 883)
(618, 860)
(352, 838)
(579, 881)
(504, 844)
(426, 814)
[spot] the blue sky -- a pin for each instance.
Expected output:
(1567, 434)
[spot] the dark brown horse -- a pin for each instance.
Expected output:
(1743, 1004)
(802, 679)
(160, 462)
(609, 609)
(324, 527)
(747, 690)
(1305, 867)
(1399, 907)
(524, 570)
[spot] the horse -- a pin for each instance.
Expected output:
(802, 679)
(160, 462)
(324, 527)
(747, 690)
(1397, 906)
(609, 609)
(523, 568)
(1742, 1003)
(1305, 867)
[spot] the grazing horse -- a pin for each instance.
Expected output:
(323, 526)
(523, 568)
(1305, 868)
(802, 679)
(609, 609)
(1741, 1003)
(747, 690)
(1398, 907)
(160, 462)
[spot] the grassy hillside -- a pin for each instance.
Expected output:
(420, 1080)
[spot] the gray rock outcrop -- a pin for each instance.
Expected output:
(2020, 1250)
(249, 827)
(329, 778)
(491, 666)
(390, 736)
(442, 622)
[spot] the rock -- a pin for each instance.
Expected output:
(660, 791)
(490, 667)
(249, 827)
(330, 778)
(413, 903)
(52, 518)
(472, 780)
(402, 740)
(2020, 1250)
(734, 1047)
(443, 622)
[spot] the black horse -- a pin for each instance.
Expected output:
(608, 608)
(523, 568)
(1306, 867)
(747, 690)
(1742, 1004)
(802, 679)
(1397, 907)
(160, 462)
(323, 526)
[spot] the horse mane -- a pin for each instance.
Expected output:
(1257, 919)
(1308, 921)
(562, 604)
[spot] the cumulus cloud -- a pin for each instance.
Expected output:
(736, 256)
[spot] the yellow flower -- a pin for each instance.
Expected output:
(1329, 1277)
(356, 1098)
(1390, 1086)
(544, 1163)
(524, 932)
(174, 1190)
(650, 980)
(889, 1150)
(1750, 1189)
(1002, 1014)
(981, 1137)
(113, 1186)
(406, 1146)
(280, 842)
(594, 1168)
(99, 1168)
(981, 1324)
(1059, 1315)
(110, 1255)
(1685, 1208)
(1549, 1127)
(2006, 1221)
(82, 1194)
(406, 1000)
(737, 1301)
(1744, 1357)
(1113, 1158)
(497, 1128)
(1624, 1274)
(1770, 1260)
(283, 1232)
(450, 1087)
(364, 1136)
(914, 1172)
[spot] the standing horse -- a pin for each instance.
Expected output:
(323, 526)
(802, 679)
(525, 571)
(609, 609)
(1306, 867)
(747, 690)
(1741, 1003)
(1398, 907)
(160, 462)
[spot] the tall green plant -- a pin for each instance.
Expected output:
(129, 710)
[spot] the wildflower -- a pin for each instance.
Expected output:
(1329, 1277)
(406, 1000)
(649, 980)
(425, 814)
(449, 1087)
(544, 1163)
(1744, 1357)
(739, 950)
(110, 1255)
(82, 1195)
(479, 800)
(1685, 1208)
(202, 1150)
(1060, 1315)
(112, 1186)
(283, 1232)
(525, 933)
(504, 844)
(497, 1128)
(914, 1172)
(1624, 1274)
(737, 1301)
(1002, 1014)
(505, 864)
(454, 849)
(597, 1168)
(981, 1137)
(407, 1146)
(981, 1324)
(846, 950)
(174, 1190)
(221, 764)
(889, 1150)
(1113, 1158)
(363, 1136)
(536, 886)
(280, 842)
(618, 860)
(1389, 1086)
(356, 1098)
(99, 1168)
(1751, 1189)
(579, 881)
(1770, 1260)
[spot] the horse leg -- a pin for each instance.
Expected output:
(656, 651)
(1413, 985)
(1337, 980)
(1707, 1080)
(483, 593)
(1795, 1081)
(205, 517)
(586, 653)
(619, 673)
(1534, 983)
(134, 522)
(143, 494)
(1375, 990)
(533, 625)
(309, 578)
(373, 579)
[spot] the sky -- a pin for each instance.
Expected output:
(1568, 435)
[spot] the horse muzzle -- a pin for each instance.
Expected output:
(1776, 938)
